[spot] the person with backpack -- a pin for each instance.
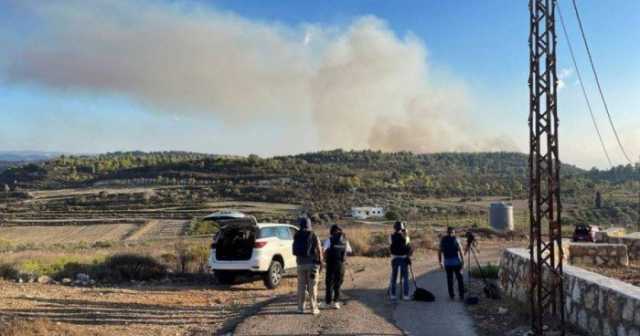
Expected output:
(401, 252)
(336, 248)
(307, 249)
(453, 261)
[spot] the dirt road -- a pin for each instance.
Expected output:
(367, 310)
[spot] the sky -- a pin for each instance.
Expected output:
(282, 77)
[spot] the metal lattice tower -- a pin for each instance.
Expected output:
(546, 287)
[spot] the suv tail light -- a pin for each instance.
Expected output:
(260, 244)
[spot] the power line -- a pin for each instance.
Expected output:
(595, 74)
(584, 92)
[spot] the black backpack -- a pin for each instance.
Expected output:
(337, 249)
(399, 244)
(303, 244)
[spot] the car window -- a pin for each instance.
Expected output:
(268, 232)
(283, 233)
(292, 232)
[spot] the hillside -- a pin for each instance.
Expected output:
(444, 174)
(441, 174)
(333, 181)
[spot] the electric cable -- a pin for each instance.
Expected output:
(584, 92)
(595, 74)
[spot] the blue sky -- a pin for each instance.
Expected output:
(479, 47)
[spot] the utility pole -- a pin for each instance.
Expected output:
(546, 292)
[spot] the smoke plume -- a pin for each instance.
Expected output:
(362, 86)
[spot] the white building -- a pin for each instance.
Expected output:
(367, 212)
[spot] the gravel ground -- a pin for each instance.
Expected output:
(137, 310)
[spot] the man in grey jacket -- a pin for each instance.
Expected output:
(308, 252)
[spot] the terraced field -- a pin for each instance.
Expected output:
(160, 229)
(48, 235)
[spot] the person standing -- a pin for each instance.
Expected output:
(336, 248)
(400, 259)
(307, 249)
(453, 261)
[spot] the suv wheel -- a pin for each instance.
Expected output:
(225, 278)
(274, 275)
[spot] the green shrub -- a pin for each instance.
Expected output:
(52, 269)
(490, 271)
(199, 227)
(199, 257)
(8, 272)
(169, 259)
(126, 267)
(391, 215)
(6, 246)
(71, 269)
(102, 244)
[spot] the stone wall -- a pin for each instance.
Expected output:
(596, 304)
(607, 255)
(632, 241)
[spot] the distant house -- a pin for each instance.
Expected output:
(367, 212)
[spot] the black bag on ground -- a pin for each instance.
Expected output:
(420, 294)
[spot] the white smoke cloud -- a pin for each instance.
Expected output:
(362, 86)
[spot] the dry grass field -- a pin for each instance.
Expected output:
(49, 235)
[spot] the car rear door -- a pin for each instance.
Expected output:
(286, 246)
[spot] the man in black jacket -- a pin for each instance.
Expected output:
(336, 248)
(401, 251)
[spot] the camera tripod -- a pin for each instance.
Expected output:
(490, 289)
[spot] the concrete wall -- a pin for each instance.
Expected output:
(607, 255)
(596, 304)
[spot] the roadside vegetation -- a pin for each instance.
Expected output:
(489, 271)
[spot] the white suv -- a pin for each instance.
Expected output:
(244, 246)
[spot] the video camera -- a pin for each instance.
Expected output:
(472, 243)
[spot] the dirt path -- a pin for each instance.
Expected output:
(367, 310)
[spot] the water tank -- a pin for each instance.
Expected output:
(501, 216)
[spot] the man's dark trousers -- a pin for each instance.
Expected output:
(451, 270)
(334, 279)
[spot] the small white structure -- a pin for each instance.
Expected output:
(367, 212)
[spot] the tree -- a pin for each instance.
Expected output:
(391, 215)
(598, 200)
